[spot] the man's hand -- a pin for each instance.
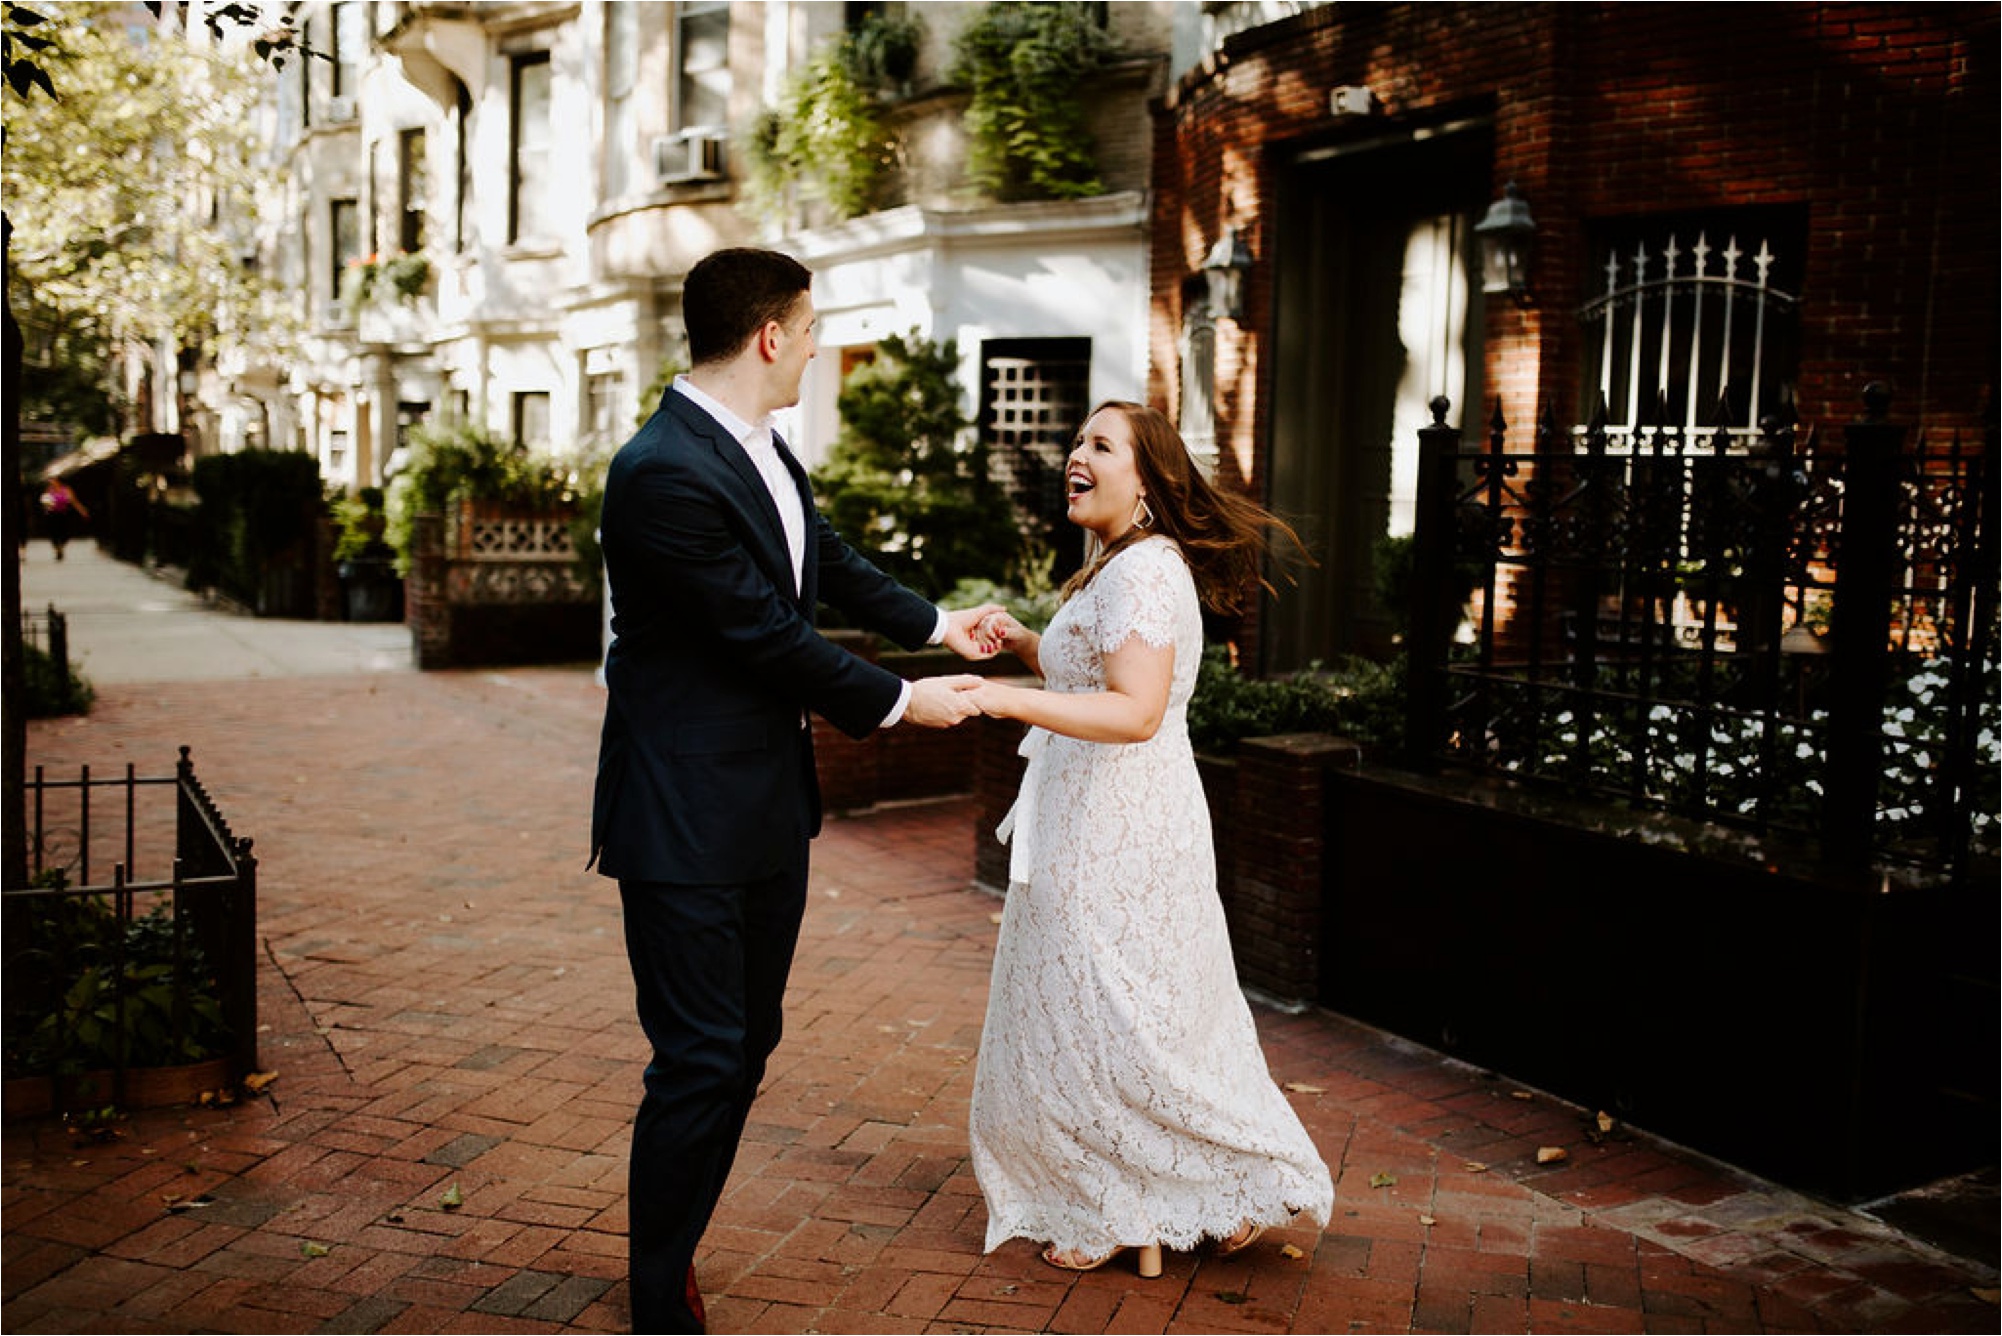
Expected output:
(963, 636)
(941, 702)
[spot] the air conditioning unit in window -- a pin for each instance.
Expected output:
(340, 107)
(692, 155)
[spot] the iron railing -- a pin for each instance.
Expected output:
(50, 633)
(134, 970)
(1756, 630)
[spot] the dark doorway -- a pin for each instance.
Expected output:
(1378, 310)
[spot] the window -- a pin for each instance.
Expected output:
(410, 413)
(344, 226)
(412, 187)
(621, 78)
(604, 401)
(529, 193)
(1693, 310)
(1033, 398)
(305, 68)
(702, 53)
(531, 419)
(350, 44)
(462, 159)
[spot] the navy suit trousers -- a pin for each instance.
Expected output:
(709, 971)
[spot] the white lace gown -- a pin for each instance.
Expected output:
(1121, 1096)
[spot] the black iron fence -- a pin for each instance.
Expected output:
(49, 632)
(137, 968)
(1772, 631)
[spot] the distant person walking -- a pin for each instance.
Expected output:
(63, 510)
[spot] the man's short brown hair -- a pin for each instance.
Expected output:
(731, 294)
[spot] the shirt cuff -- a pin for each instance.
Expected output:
(896, 716)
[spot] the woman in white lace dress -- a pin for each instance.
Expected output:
(1121, 1098)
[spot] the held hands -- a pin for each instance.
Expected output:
(999, 628)
(962, 636)
(975, 634)
(941, 702)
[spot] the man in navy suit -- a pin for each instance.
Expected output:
(706, 794)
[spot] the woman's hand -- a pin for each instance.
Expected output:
(999, 628)
(963, 635)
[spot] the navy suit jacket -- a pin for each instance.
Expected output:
(705, 773)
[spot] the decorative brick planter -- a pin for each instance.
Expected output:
(898, 764)
(490, 585)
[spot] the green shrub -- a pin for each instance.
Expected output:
(906, 482)
(1024, 64)
(49, 693)
(463, 461)
(1357, 699)
(141, 997)
(826, 139)
(362, 524)
(259, 510)
(1029, 593)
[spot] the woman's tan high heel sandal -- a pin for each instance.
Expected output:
(1238, 1242)
(1148, 1263)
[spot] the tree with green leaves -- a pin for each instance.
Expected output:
(134, 194)
(906, 481)
(49, 50)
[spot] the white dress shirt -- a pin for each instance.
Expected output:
(758, 443)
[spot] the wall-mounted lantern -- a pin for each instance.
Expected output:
(1224, 269)
(1507, 235)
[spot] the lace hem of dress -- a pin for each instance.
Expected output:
(1090, 1236)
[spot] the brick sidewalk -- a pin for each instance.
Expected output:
(447, 1006)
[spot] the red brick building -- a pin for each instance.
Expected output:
(1738, 211)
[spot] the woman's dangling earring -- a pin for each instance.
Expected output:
(1143, 518)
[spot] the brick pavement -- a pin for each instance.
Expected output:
(446, 1006)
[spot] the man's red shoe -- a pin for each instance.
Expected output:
(694, 1299)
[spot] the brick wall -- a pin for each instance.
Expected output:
(898, 764)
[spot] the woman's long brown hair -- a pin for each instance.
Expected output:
(1222, 535)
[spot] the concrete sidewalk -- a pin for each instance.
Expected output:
(446, 1005)
(128, 626)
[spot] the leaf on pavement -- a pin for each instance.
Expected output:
(256, 1082)
(1302, 1088)
(1291, 1252)
(453, 1198)
(1381, 1179)
(1551, 1154)
(1474, 1167)
(308, 1248)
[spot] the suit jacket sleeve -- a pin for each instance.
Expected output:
(708, 580)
